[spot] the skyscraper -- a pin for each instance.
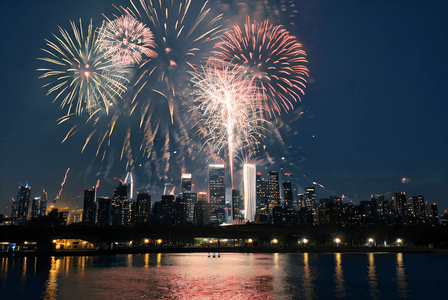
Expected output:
(143, 207)
(400, 204)
(22, 204)
(311, 203)
(287, 193)
(262, 206)
(90, 210)
(35, 207)
(120, 206)
(129, 181)
(190, 199)
(186, 183)
(104, 211)
(217, 193)
(273, 190)
(250, 192)
(237, 206)
(201, 210)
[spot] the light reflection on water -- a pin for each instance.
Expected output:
(231, 276)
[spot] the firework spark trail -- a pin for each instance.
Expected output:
(62, 185)
(272, 55)
(227, 99)
(119, 179)
(125, 39)
(83, 79)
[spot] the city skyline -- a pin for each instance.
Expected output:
(372, 120)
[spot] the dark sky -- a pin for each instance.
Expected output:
(375, 106)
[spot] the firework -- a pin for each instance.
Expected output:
(273, 56)
(125, 40)
(83, 79)
(227, 100)
(62, 186)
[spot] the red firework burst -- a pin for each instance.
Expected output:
(272, 55)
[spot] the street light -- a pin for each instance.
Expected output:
(159, 241)
(274, 241)
(371, 241)
(305, 241)
(337, 241)
(399, 241)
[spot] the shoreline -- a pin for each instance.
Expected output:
(311, 249)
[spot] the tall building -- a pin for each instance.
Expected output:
(273, 190)
(120, 206)
(400, 204)
(35, 207)
(190, 199)
(22, 204)
(418, 206)
(186, 183)
(143, 209)
(180, 212)
(167, 209)
(217, 193)
(311, 203)
(89, 215)
(237, 206)
(287, 193)
(262, 205)
(250, 192)
(43, 204)
(129, 181)
(104, 211)
(202, 210)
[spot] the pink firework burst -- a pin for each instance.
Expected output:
(125, 40)
(272, 55)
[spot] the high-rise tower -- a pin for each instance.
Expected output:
(273, 190)
(129, 181)
(287, 193)
(250, 192)
(89, 215)
(186, 183)
(217, 193)
(22, 204)
(120, 206)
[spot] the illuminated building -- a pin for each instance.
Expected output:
(273, 190)
(262, 205)
(142, 210)
(202, 210)
(120, 206)
(43, 205)
(190, 199)
(129, 181)
(20, 214)
(90, 209)
(287, 193)
(418, 206)
(35, 207)
(186, 183)
(237, 206)
(311, 204)
(400, 204)
(250, 192)
(217, 193)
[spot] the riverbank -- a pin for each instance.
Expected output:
(302, 249)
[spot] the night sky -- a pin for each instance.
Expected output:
(374, 112)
